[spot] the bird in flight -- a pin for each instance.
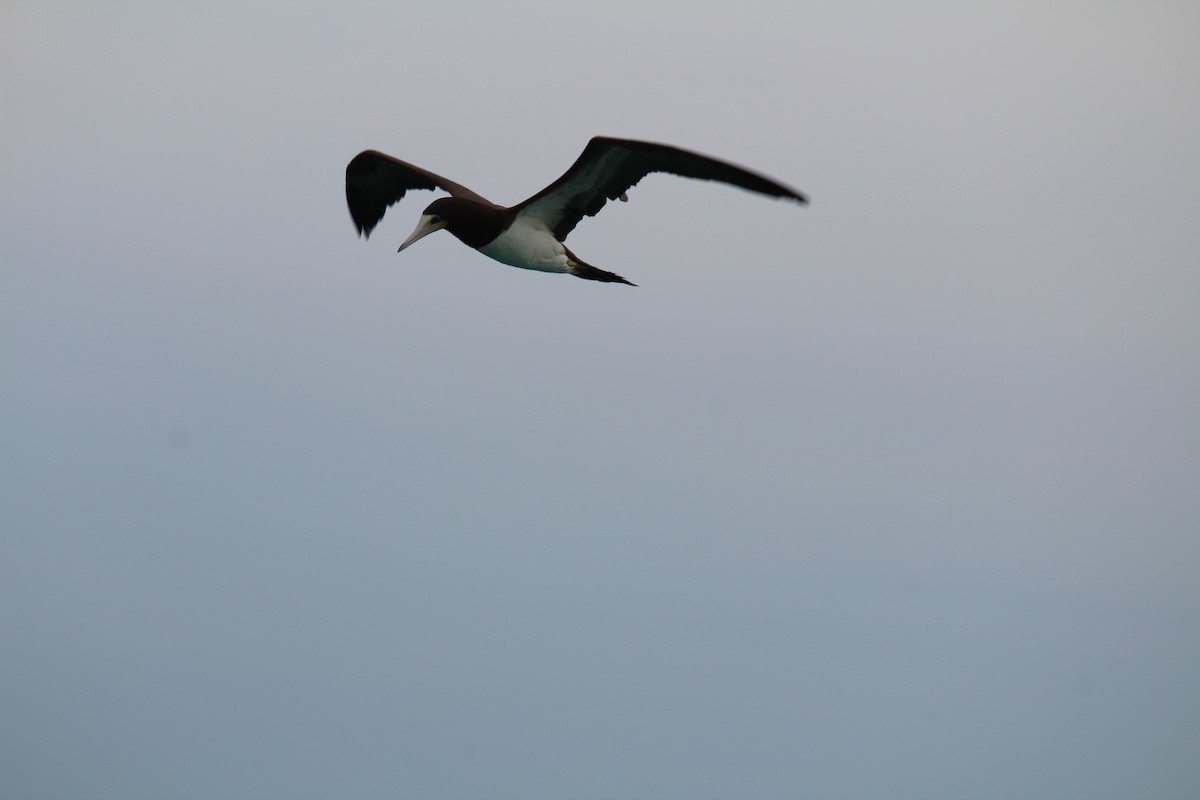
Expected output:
(530, 235)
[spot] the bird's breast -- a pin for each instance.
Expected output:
(528, 246)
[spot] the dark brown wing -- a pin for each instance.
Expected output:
(607, 168)
(374, 181)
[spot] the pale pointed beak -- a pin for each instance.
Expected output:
(425, 227)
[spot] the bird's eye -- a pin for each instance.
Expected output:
(435, 219)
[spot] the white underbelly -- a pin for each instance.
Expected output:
(528, 247)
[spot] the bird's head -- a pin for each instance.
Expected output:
(474, 223)
(434, 219)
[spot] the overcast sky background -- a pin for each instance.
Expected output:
(895, 496)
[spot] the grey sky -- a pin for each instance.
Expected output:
(891, 497)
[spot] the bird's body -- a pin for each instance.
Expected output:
(530, 235)
(527, 245)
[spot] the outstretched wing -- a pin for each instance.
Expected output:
(607, 168)
(374, 181)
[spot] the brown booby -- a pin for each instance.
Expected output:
(530, 234)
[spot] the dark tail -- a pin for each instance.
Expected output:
(590, 273)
